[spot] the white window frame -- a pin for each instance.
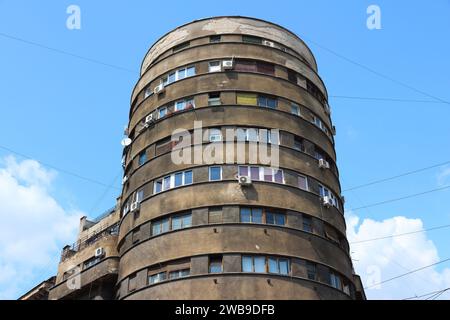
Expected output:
(306, 180)
(165, 113)
(209, 173)
(297, 107)
(215, 68)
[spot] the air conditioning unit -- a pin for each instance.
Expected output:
(99, 252)
(333, 130)
(125, 179)
(134, 206)
(343, 199)
(126, 131)
(123, 161)
(149, 119)
(244, 180)
(327, 201)
(159, 88)
(323, 164)
(268, 43)
(227, 64)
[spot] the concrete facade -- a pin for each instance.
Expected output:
(194, 240)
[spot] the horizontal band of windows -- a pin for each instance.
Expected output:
(312, 91)
(253, 264)
(291, 52)
(243, 275)
(168, 182)
(214, 134)
(330, 234)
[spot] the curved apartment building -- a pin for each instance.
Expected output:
(239, 229)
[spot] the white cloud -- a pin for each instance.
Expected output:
(33, 226)
(384, 259)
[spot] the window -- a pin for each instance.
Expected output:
(187, 177)
(245, 66)
(179, 274)
(311, 270)
(303, 182)
(181, 46)
(142, 158)
(184, 104)
(292, 76)
(251, 215)
(214, 39)
(178, 75)
(132, 283)
(295, 109)
(155, 278)
(253, 264)
(215, 173)
(162, 112)
(215, 135)
(158, 186)
(247, 99)
(319, 124)
(214, 99)
(265, 67)
(215, 264)
(275, 218)
(135, 235)
(307, 223)
(174, 180)
(262, 173)
(335, 281)
(214, 66)
(181, 221)
(267, 102)
(91, 262)
(160, 226)
(278, 265)
(215, 215)
(147, 92)
(298, 144)
(251, 39)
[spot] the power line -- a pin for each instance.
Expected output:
(407, 273)
(401, 198)
(397, 176)
(65, 52)
(427, 294)
(385, 99)
(76, 175)
(377, 73)
(437, 295)
(401, 234)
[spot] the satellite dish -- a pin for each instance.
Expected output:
(125, 142)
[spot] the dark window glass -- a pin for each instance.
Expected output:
(214, 39)
(252, 39)
(181, 46)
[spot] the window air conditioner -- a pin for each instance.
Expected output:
(245, 180)
(327, 201)
(227, 64)
(323, 164)
(159, 88)
(134, 206)
(99, 252)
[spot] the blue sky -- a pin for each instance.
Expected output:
(70, 113)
